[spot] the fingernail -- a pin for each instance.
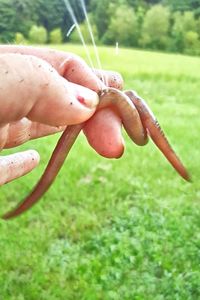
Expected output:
(87, 97)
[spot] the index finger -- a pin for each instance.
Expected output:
(61, 61)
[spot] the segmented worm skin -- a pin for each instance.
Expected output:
(128, 113)
(155, 132)
(55, 163)
(138, 121)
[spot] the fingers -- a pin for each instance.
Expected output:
(3, 135)
(103, 132)
(104, 137)
(64, 63)
(24, 130)
(110, 78)
(77, 71)
(16, 165)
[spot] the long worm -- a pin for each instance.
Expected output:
(138, 121)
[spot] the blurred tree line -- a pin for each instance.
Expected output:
(38, 19)
(169, 25)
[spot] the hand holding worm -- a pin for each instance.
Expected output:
(51, 84)
(138, 121)
(37, 101)
(104, 136)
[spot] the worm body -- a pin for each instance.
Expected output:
(55, 163)
(128, 113)
(138, 122)
(150, 122)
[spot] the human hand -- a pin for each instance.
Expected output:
(36, 101)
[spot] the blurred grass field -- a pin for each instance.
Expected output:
(126, 229)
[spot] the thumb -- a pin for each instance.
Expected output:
(64, 103)
(33, 89)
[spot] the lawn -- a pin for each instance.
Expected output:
(126, 229)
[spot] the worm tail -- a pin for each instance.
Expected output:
(58, 157)
(157, 135)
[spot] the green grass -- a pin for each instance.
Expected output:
(125, 229)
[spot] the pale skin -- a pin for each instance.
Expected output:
(27, 113)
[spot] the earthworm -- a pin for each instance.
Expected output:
(154, 130)
(138, 121)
